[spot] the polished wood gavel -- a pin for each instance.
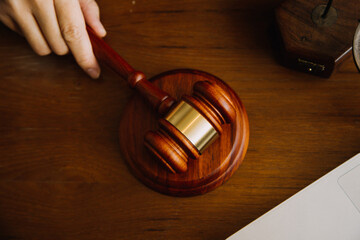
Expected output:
(186, 128)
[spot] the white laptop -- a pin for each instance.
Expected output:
(328, 209)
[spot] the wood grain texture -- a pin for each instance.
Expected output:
(217, 163)
(62, 175)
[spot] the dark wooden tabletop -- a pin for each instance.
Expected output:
(62, 175)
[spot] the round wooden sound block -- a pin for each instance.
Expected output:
(216, 164)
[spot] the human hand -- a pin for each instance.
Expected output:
(56, 25)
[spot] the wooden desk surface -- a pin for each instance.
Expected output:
(61, 171)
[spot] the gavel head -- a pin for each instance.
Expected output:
(192, 125)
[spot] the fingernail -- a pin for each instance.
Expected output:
(93, 73)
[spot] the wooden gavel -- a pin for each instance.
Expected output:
(187, 127)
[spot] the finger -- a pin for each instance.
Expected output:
(10, 23)
(72, 26)
(92, 16)
(44, 12)
(32, 33)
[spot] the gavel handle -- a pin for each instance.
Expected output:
(159, 99)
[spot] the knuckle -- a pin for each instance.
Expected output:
(38, 3)
(13, 5)
(71, 33)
